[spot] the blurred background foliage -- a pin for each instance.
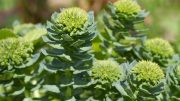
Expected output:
(163, 20)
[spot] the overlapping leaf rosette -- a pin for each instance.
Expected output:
(104, 74)
(173, 79)
(158, 50)
(70, 33)
(17, 63)
(122, 29)
(145, 81)
(30, 32)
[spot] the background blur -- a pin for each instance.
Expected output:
(163, 21)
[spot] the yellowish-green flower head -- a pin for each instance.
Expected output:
(106, 71)
(14, 51)
(159, 47)
(148, 71)
(128, 7)
(72, 18)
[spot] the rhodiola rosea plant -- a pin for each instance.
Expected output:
(19, 62)
(70, 33)
(59, 63)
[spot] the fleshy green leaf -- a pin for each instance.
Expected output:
(51, 88)
(6, 33)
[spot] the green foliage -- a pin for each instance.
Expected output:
(122, 35)
(22, 29)
(62, 66)
(31, 33)
(35, 34)
(173, 80)
(138, 88)
(70, 52)
(178, 70)
(19, 65)
(5, 33)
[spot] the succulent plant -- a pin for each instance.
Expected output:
(70, 33)
(104, 74)
(67, 69)
(106, 71)
(159, 47)
(173, 80)
(144, 81)
(121, 33)
(127, 8)
(148, 71)
(14, 51)
(157, 50)
(18, 65)
(72, 19)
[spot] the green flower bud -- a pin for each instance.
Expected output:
(128, 7)
(159, 47)
(14, 51)
(72, 18)
(106, 71)
(148, 71)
